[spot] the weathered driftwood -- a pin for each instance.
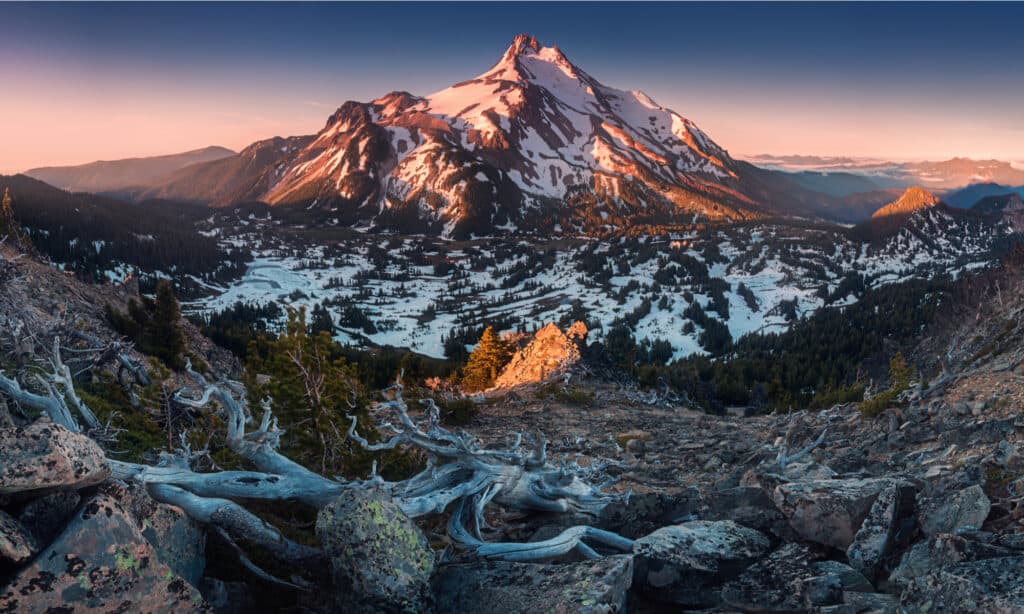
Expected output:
(460, 476)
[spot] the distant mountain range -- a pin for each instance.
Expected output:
(842, 176)
(123, 176)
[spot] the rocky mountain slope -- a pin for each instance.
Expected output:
(123, 176)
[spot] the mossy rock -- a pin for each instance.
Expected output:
(380, 560)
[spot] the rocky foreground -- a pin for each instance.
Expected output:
(919, 510)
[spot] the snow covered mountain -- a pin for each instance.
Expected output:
(534, 144)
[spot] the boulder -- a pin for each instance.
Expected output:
(680, 563)
(498, 587)
(828, 512)
(17, 545)
(992, 585)
(949, 513)
(100, 562)
(45, 455)
(379, 558)
(880, 531)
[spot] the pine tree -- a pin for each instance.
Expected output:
(9, 227)
(165, 336)
(314, 392)
(489, 356)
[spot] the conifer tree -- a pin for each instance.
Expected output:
(9, 227)
(313, 391)
(489, 356)
(164, 333)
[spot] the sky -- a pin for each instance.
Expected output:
(81, 82)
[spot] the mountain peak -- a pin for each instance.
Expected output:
(521, 44)
(913, 199)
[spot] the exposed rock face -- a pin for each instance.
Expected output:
(948, 514)
(993, 585)
(101, 562)
(828, 512)
(379, 558)
(549, 355)
(493, 587)
(45, 455)
(681, 563)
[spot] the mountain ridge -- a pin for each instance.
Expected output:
(125, 174)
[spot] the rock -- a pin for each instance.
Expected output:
(379, 558)
(45, 455)
(915, 562)
(100, 562)
(17, 545)
(644, 513)
(179, 541)
(773, 584)
(828, 512)
(946, 549)
(636, 447)
(549, 355)
(951, 512)
(46, 516)
(498, 587)
(871, 602)
(822, 590)
(749, 506)
(849, 578)
(680, 563)
(992, 585)
(227, 597)
(878, 533)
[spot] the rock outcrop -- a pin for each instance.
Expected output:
(549, 355)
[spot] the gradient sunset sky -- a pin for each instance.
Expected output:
(81, 82)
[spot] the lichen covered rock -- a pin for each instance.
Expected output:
(679, 563)
(100, 562)
(380, 560)
(499, 587)
(44, 455)
(828, 512)
(966, 508)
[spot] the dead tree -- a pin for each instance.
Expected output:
(461, 476)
